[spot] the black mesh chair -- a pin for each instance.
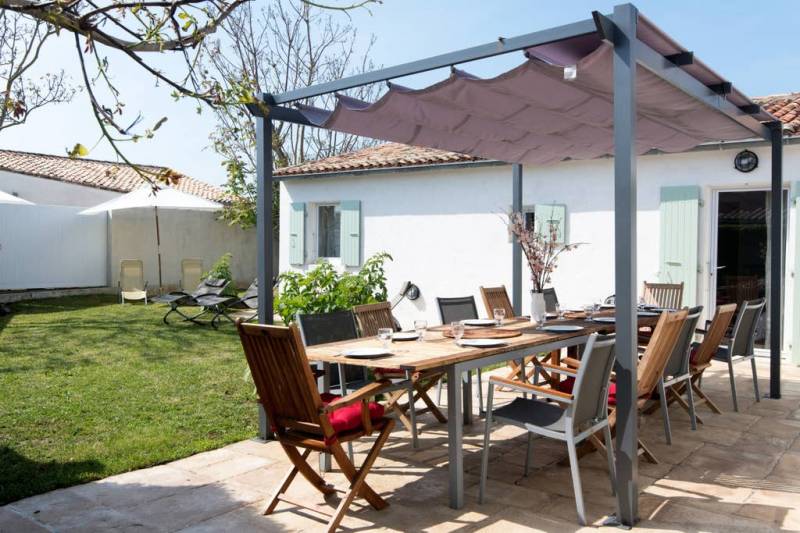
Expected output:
(550, 300)
(456, 310)
(677, 373)
(741, 345)
(321, 328)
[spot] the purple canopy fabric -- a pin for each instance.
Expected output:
(539, 112)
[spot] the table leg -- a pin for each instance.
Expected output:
(467, 397)
(555, 359)
(454, 436)
(324, 384)
(412, 412)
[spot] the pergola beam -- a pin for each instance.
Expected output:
(495, 48)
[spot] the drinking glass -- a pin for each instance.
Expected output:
(499, 315)
(589, 310)
(420, 326)
(385, 336)
(559, 311)
(458, 331)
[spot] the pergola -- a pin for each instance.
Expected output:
(612, 85)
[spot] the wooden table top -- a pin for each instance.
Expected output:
(439, 351)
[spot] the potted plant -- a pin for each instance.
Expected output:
(542, 250)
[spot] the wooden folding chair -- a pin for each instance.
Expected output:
(703, 353)
(497, 298)
(301, 418)
(370, 318)
(666, 295)
(649, 372)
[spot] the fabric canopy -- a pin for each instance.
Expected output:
(165, 197)
(556, 105)
(6, 198)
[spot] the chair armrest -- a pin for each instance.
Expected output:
(560, 369)
(527, 387)
(364, 393)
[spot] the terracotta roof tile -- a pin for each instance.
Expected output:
(99, 174)
(786, 107)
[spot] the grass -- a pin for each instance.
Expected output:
(91, 388)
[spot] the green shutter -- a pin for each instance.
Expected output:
(351, 232)
(297, 234)
(796, 277)
(551, 215)
(680, 210)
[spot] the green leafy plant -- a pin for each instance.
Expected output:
(222, 270)
(324, 289)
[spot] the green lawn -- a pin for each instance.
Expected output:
(91, 388)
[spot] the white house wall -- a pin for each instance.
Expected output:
(444, 229)
(46, 191)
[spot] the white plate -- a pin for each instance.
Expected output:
(479, 322)
(647, 313)
(365, 353)
(483, 343)
(551, 315)
(608, 306)
(405, 336)
(605, 319)
(562, 329)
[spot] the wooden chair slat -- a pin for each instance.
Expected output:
(666, 295)
(372, 317)
(497, 298)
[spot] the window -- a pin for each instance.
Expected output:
(328, 230)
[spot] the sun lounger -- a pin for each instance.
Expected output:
(207, 296)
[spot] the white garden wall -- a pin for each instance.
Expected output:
(51, 247)
(443, 226)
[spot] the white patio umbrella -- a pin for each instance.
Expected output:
(6, 198)
(165, 197)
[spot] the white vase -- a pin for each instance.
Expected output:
(538, 308)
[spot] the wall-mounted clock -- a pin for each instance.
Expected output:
(745, 161)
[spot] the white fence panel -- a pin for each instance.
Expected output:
(43, 247)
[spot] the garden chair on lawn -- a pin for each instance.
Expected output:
(206, 296)
(372, 317)
(569, 417)
(456, 310)
(247, 302)
(302, 418)
(132, 285)
(740, 348)
(649, 372)
(191, 273)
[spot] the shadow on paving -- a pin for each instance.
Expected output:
(20, 476)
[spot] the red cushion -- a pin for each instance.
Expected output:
(695, 349)
(348, 418)
(568, 384)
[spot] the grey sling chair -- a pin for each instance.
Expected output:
(206, 296)
(321, 328)
(572, 418)
(455, 310)
(677, 373)
(740, 347)
(248, 302)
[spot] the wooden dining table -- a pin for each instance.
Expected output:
(441, 352)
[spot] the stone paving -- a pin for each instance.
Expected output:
(738, 472)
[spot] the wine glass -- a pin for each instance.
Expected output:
(559, 311)
(420, 326)
(589, 311)
(458, 331)
(499, 315)
(385, 336)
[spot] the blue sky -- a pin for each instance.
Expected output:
(739, 39)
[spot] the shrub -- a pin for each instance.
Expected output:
(323, 289)
(222, 270)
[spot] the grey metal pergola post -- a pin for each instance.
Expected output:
(625, 260)
(265, 231)
(516, 253)
(776, 261)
